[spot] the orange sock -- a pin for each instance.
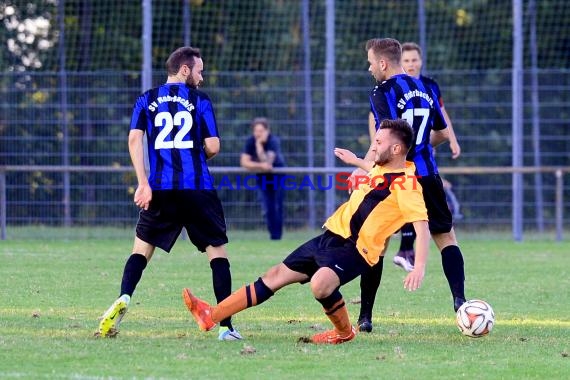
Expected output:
(338, 315)
(236, 302)
(246, 296)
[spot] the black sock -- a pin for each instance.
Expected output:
(132, 273)
(222, 283)
(331, 300)
(408, 237)
(369, 283)
(453, 267)
(262, 291)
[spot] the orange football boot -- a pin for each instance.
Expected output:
(201, 310)
(333, 337)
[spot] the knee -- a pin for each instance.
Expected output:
(322, 286)
(274, 278)
(273, 272)
(216, 252)
(319, 290)
(445, 239)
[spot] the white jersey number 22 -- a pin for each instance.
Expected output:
(182, 119)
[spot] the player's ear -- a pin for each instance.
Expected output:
(397, 149)
(185, 70)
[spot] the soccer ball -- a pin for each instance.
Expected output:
(475, 318)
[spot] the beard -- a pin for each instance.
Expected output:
(383, 158)
(191, 83)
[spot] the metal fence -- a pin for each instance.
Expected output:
(97, 137)
(112, 205)
(68, 121)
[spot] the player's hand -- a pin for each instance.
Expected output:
(356, 178)
(455, 149)
(350, 158)
(414, 279)
(345, 156)
(143, 196)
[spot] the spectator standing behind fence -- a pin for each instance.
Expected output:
(262, 153)
(179, 192)
(412, 64)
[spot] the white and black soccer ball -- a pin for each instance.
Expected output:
(475, 318)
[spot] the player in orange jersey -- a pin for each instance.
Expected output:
(355, 239)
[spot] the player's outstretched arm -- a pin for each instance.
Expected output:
(415, 278)
(350, 158)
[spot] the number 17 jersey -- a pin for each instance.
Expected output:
(405, 97)
(176, 120)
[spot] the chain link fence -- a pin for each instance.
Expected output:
(72, 69)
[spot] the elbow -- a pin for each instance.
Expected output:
(134, 140)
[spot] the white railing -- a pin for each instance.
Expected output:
(558, 172)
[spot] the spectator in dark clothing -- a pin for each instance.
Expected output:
(262, 153)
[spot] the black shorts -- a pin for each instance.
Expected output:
(331, 251)
(440, 220)
(199, 211)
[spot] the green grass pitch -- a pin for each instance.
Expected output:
(53, 291)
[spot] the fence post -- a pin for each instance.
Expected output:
(2, 204)
(330, 99)
(559, 204)
(308, 88)
(517, 121)
(64, 110)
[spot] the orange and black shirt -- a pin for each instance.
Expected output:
(379, 208)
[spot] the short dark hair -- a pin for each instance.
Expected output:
(260, 120)
(401, 130)
(387, 48)
(182, 56)
(411, 46)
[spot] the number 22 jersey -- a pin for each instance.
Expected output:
(176, 120)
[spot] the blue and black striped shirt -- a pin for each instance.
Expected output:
(431, 83)
(176, 120)
(405, 97)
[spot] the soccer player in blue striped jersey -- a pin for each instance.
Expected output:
(178, 192)
(398, 95)
(412, 64)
